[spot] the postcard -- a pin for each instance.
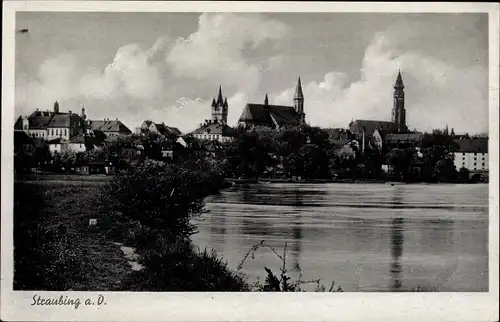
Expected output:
(281, 161)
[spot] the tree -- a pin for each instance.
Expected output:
(68, 159)
(463, 174)
(400, 160)
(445, 170)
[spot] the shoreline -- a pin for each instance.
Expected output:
(101, 178)
(355, 181)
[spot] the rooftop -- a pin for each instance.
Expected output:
(108, 126)
(270, 114)
(473, 145)
(215, 128)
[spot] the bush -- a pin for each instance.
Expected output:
(177, 267)
(158, 195)
(152, 206)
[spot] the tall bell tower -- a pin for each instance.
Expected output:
(398, 109)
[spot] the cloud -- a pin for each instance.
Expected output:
(145, 83)
(437, 92)
(63, 78)
(129, 74)
(217, 49)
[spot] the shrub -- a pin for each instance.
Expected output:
(152, 206)
(177, 267)
(284, 282)
(158, 195)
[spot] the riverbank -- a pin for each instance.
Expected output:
(62, 177)
(74, 255)
(230, 181)
(85, 233)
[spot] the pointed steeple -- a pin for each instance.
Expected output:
(219, 97)
(298, 90)
(225, 102)
(266, 100)
(213, 102)
(399, 81)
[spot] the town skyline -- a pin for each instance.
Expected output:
(162, 78)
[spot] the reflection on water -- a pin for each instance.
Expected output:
(365, 237)
(396, 251)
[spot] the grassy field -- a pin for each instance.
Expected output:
(103, 265)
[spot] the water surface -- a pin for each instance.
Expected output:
(365, 237)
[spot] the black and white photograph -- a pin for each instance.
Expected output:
(253, 152)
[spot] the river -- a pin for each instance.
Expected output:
(364, 237)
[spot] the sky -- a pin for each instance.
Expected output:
(167, 67)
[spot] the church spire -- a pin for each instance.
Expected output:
(298, 90)
(298, 100)
(219, 97)
(399, 81)
(266, 100)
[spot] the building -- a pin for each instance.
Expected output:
(275, 116)
(50, 125)
(215, 131)
(158, 128)
(55, 145)
(472, 154)
(212, 148)
(108, 127)
(220, 108)
(81, 143)
(216, 128)
(383, 141)
(364, 129)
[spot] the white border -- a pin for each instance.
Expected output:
(15, 306)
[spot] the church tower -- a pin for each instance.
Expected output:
(219, 108)
(298, 100)
(398, 109)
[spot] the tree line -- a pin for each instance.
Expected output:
(300, 153)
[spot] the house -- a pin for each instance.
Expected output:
(64, 126)
(108, 127)
(167, 149)
(51, 124)
(212, 148)
(101, 167)
(81, 143)
(472, 154)
(55, 145)
(158, 128)
(277, 117)
(214, 130)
